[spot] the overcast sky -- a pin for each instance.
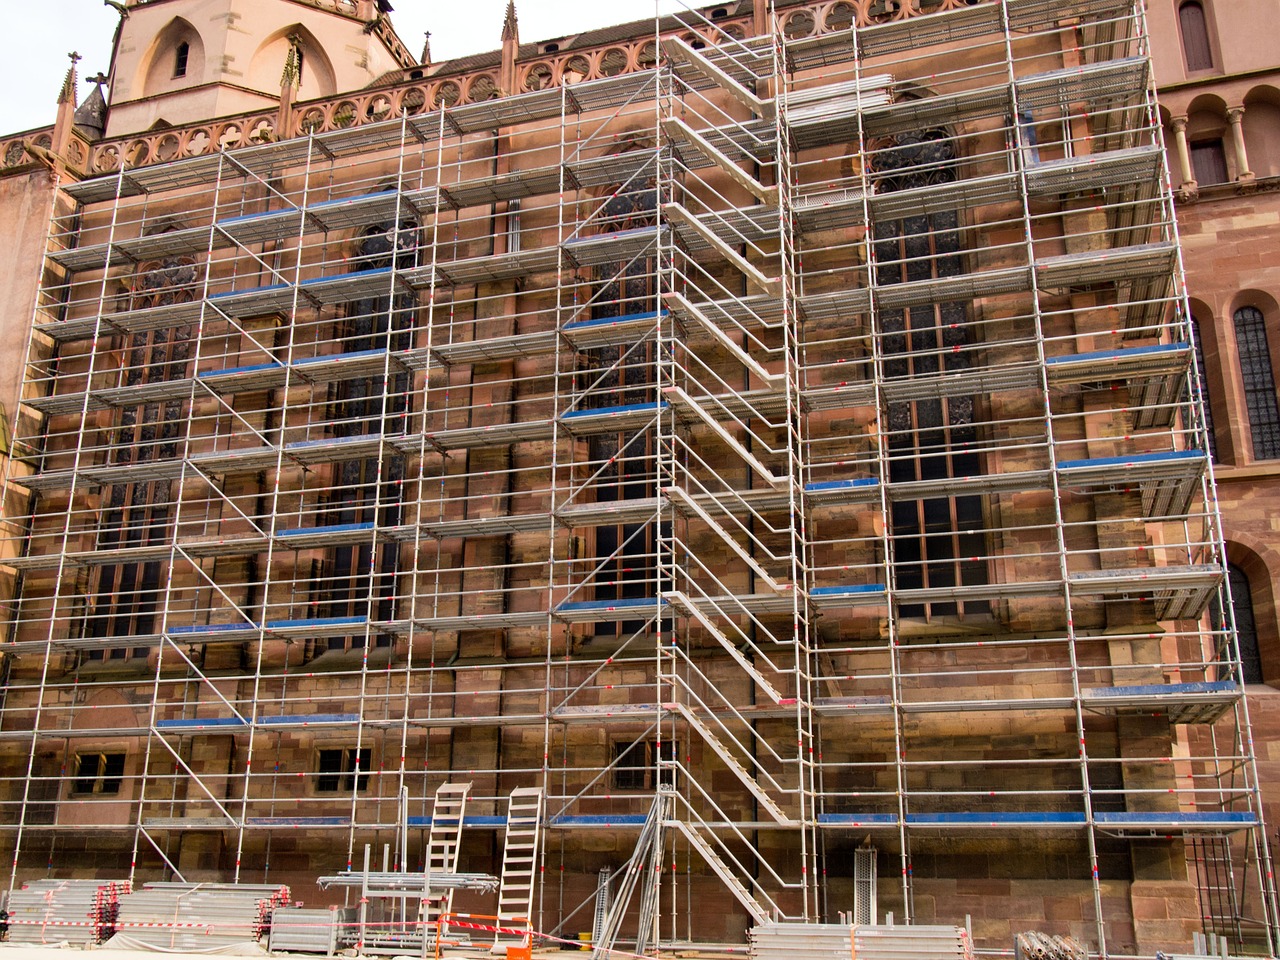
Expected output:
(38, 35)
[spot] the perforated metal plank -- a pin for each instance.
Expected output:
(517, 185)
(617, 247)
(840, 396)
(1093, 171)
(1100, 85)
(1104, 266)
(507, 266)
(959, 383)
(263, 226)
(952, 26)
(944, 197)
(1177, 592)
(333, 449)
(155, 318)
(830, 209)
(612, 168)
(612, 331)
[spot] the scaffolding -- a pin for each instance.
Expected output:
(802, 431)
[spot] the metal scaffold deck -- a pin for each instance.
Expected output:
(796, 437)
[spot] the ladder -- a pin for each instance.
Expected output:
(442, 852)
(604, 901)
(519, 864)
(640, 872)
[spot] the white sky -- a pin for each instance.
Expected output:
(38, 35)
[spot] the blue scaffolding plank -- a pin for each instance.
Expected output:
(824, 485)
(1098, 355)
(609, 604)
(615, 321)
(317, 622)
(251, 291)
(858, 819)
(1000, 818)
(468, 821)
(201, 723)
(846, 595)
(232, 371)
(603, 412)
(847, 589)
(336, 528)
(360, 198)
(338, 357)
(1171, 690)
(1170, 456)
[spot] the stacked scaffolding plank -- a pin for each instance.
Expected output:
(800, 429)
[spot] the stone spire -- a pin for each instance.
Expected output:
(68, 92)
(510, 26)
(66, 115)
(510, 49)
(426, 49)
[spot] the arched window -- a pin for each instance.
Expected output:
(1202, 388)
(1195, 36)
(180, 58)
(1259, 382)
(1246, 626)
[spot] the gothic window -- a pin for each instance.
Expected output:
(125, 598)
(359, 579)
(936, 541)
(614, 376)
(1259, 382)
(1195, 36)
(1246, 625)
(180, 57)
(1202, 388)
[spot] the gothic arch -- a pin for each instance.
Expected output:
(157, 71)
(267, 65)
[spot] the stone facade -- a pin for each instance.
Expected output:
(545, 420)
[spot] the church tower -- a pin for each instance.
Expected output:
(182, 61)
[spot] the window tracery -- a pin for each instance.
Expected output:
(935, 540)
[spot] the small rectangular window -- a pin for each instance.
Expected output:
(342, 770)
(635, 763)
(99, 773)
(180, 58)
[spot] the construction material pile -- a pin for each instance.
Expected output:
(197, 916)
(822, 941)
(80, 912)
(1033, 945)
(294, 930)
